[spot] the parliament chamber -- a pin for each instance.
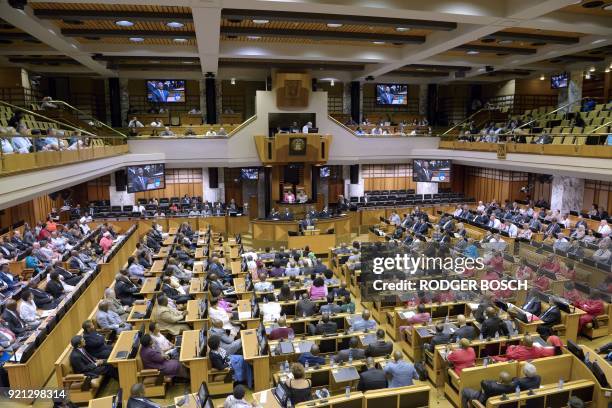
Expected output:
(303, 204)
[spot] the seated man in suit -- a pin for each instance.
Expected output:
(489, 388)
(8, 278)
(363, 323)
(441, 337)
(174, 291)
(126, 291)
(282, 331)
(550, 318)
(68, 277)
(228, 342)
(95, 343)
(531, 379)
(286, 215)
(312, 357)
(372, 378)
(42, 299)
(380, 347)
(54, 286)
(84, 363)
(109, 320)
(353, 351)
(12, 319)
(493, 324)
(465, 331)
(75, 262)
(326, 326)
(138, 399)
(305, 307)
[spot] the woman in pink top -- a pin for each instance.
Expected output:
(318, 290)
(106, 242)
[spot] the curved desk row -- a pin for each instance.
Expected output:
(273, 233)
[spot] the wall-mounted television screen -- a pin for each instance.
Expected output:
(166, 90)
(250, 173)
(146, 178)
(324, 171)
(391, 94)
(558, 81)
(431, 171)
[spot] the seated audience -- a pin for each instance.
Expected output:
(363, 322)
(95, 343)
(169, 318)
(311, 358)
(400, 372)
(299, 387)
(109, 320)
(84, 363)
(488, 389)
(353, 352)
(373, 378)
(154, 359)
(462, 357)
(380, 347)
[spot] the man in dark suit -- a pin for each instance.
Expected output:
(372, 378)
(125, 290)
(493, 324)
(12, 319)
(138, 400)
(422, 171)
(139, 182)
(68, 277)
(326, 326)
(305, 306)
(42, 299)
(158, 93)
(533, 306)
(172, 293)
(286, 215)
(95, 343)
(489, 388)
(551, 317)
(76, 263)
(441, 337)
(8, 278)
(464, 331)
(380, 347)
(553, 229)
(54, 286)
(354, 351)
(307, 222)
(530, 381)
(84, 363)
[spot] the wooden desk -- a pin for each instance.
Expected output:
(158, 266)
(193, 315)
(196, 288)
(136, 322)
(269, 400)
(272, 233)
(164, 252)
(148, 289)
(198, 366)
(260, 363)
(172, 230)
(199, 253)
(319, 244)
(127, 367)
(104, 402)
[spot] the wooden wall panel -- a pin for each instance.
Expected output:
(598, 192)
(391, 177)
(233, 184)
(489, 184)
(178, 183)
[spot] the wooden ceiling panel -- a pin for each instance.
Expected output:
(110, 25)
(305, 41)
(147, 41)
(111, 7)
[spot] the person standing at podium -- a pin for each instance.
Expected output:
(307, 222)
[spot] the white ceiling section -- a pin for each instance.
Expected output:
(474, 20)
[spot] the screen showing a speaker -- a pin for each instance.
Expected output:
(249, 173)
(146, 178)
(391, 94)
(165, 90)
(558, 81)
(431, 171)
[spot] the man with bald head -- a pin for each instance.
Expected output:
(363, 323)
(311, 357)
(400, 373)
(228, 341)
(465, 331)
(282, 331)
(489, 388)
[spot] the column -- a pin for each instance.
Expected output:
(219, 99)
(124, 96)
(114, 95)
(119, 197)
(427, 188)
(260, 211)
(211, 100)
(213, 194)
(573, 91)
(346, 98)
(567, 194)
(202, 96)
(352, 189)
(356, 101)
(423, 99)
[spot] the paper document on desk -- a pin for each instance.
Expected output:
(407, 315)
(263, 397)
(244, 315)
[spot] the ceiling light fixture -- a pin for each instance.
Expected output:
(124, 23)
(607, 70)
(187, 62)
(587, 75)
(378, 42)
(542, 77)
(253, 37)
(180, 40)
(332, 83)
(504, 42)
(592, 69)
(334, 25)
(473, 52)
(233, 81)
(402, 29)
(260, 21)
(175, 24)
(136, 39)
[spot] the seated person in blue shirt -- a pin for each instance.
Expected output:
(400, 373)
(363, 323)
(331, 307)
(311, 357)
(329, 278)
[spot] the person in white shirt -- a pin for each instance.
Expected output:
(27, 310)
(83, 226)
(494, 222)
(395, 219)
(160, 342)
(222, 132)
(157, 123)
(271, 310)
(7, 147)
(211, 132)
(217, 312)
(512, 230)
(480, 207)
(457, 211)
(135, 123)
(306, 127)
(525, 232)
(604, 228)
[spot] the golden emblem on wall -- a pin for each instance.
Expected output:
(297, 146)
(501, 151)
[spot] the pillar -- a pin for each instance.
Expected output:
(427, 188)
(114, 94)
(124, 96)
(346, 98)
(567, 194)
(352, 189)
(211, 100)
(119, 197)
(573, 91)
(356, 101)
(219, 100)
(202, 96)
(213, 194)
(423, 95)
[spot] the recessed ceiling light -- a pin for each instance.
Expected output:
(260, 21)
(253, 37)
(136, 39)
(378, 42)
(593, 4)
(175, 24)
(504, 42)
(542, 77)
(180, 40)
(587, 76)
(607, 70)
(332, 83)
(592, 69)
(124, 23)
(402, 29)
(233, 81)
(473, 52)
(187, 62)
(334, 25)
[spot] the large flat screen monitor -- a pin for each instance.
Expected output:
(146, 178)
(431, 171)
(558, 81)
(391, 94)
(165, 90)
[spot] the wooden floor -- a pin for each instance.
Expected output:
(437, 398)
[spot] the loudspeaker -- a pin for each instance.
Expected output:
(213, 177)
(354, 174)
(120, 180)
